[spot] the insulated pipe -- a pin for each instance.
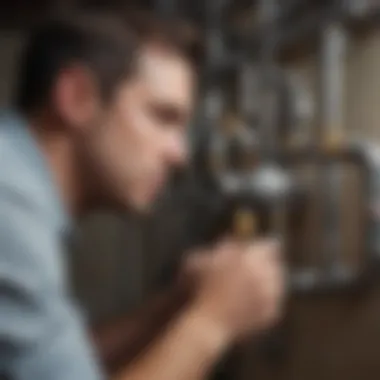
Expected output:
(332, 65)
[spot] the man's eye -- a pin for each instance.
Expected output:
(167, 115)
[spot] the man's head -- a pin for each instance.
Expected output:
(122, 91)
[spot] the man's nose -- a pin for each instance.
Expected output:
(179, 152)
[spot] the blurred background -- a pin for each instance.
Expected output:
(285, 141)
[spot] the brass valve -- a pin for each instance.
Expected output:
(244, 223)
(333, 143)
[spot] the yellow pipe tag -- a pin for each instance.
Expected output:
(333, 142)
(244, 224)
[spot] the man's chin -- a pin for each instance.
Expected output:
(145, 205)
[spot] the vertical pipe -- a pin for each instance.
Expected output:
(213, 99)
(270, 108)
(334, 41)
(269, 82)
(215, 55)
(333, 55)
(373, 194)
(248, 91)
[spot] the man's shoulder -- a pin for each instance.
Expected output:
(30, 222)
(23, 179)
(16, 166)
(41, 331)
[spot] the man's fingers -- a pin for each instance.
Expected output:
(266, 248)
(196, 262)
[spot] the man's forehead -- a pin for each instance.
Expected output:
(166, 75)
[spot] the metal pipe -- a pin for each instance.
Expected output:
(215, 56)
(333, 60)
(248, 91)
(270, 76)
(366, 157)
(369, 155)
(213, 98)
(309, 25)
(313, 281)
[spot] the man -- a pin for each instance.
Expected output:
(102, 109)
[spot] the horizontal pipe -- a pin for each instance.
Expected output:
(308, 26)
(351, 153)
(311, 281)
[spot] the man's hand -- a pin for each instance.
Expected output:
(238, 289)
(238, 286)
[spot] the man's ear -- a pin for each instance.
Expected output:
(76, 96)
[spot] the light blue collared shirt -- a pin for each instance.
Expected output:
(42, 336)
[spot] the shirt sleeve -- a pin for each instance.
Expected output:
(41, 333)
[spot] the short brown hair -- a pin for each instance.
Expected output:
(174, 33)
(106, 43)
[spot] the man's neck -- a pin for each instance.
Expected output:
(59, 154)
